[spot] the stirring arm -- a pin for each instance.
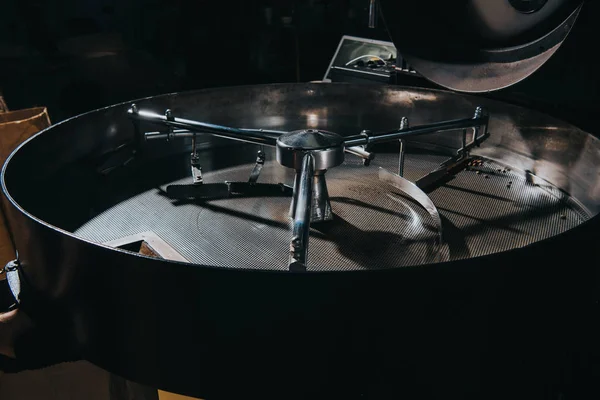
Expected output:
(382, 137)
(256, 136)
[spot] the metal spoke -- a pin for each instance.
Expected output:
(302, 213)
(374, 138)
(257, 136)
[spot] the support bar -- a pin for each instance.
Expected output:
(360, 152)
(302, 212)
(184, 133)
(374, 138)
(257, 136)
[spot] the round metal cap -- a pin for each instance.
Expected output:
(327, 148)
(310, 139)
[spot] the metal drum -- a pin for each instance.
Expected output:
(462, 286)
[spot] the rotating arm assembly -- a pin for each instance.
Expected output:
(188, 128)
(310, 153)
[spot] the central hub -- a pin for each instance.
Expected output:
(327, 148)
(311, 153)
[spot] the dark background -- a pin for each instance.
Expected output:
(78, 55)
(73, 56)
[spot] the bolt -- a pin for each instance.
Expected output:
(478, 172)
(404, 123)
(487, 177)
(563, 216)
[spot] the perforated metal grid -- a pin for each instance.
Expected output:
(486, 209)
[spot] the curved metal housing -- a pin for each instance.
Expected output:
(453, 328)
(478, 46)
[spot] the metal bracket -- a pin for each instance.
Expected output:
(258, 166)
(195, 163)
(170, 130)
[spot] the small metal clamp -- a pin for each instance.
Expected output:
(170, 131)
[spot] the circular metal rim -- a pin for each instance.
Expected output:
(593, 220)
(324, 159)
(196, 292)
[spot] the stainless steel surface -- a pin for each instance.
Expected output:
(374, 226)
(526, 139)
(302, 214)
